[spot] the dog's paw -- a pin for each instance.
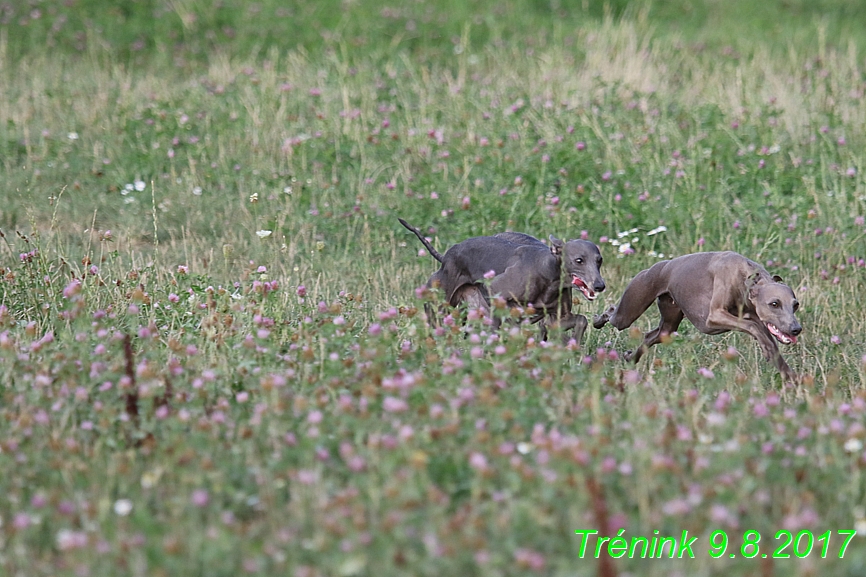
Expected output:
(599, 321)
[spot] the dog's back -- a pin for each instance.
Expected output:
(520, 238)
(470, 260)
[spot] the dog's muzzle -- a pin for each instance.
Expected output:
(583, 287)
(784, 338)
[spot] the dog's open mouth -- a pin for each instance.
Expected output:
(582, 287)
(780, 336)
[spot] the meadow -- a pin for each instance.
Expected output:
(213, 353)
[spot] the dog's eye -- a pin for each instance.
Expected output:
(578, 260)
(796, 306)
(774, 304)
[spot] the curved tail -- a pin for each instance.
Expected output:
(423, 240)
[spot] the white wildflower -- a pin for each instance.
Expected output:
(853, 445)
(123, 507)
(715, 419)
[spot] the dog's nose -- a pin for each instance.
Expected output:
(796, 330)
(599, 286)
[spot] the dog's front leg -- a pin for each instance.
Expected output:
(567, 320)
(565, 324)
(579, 324)
(774, 355)
(769, 348)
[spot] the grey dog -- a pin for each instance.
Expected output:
(525, 272)
(718, 292)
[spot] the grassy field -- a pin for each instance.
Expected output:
(212, 355)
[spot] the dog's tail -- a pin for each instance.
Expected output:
(423, 240)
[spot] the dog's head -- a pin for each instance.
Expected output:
(776, 307)
(581, 261)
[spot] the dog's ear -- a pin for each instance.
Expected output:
(750, 283)
(555, 246)
(777, 278)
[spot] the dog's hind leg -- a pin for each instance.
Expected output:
(474, 295)
(672, 316)
(432, 317)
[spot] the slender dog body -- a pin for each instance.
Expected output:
(526, 272)
(718, 292)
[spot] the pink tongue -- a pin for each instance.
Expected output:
(792, 338)
(582, 286)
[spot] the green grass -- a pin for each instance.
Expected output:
(260, 428)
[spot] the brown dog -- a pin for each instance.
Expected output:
(718, 292)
